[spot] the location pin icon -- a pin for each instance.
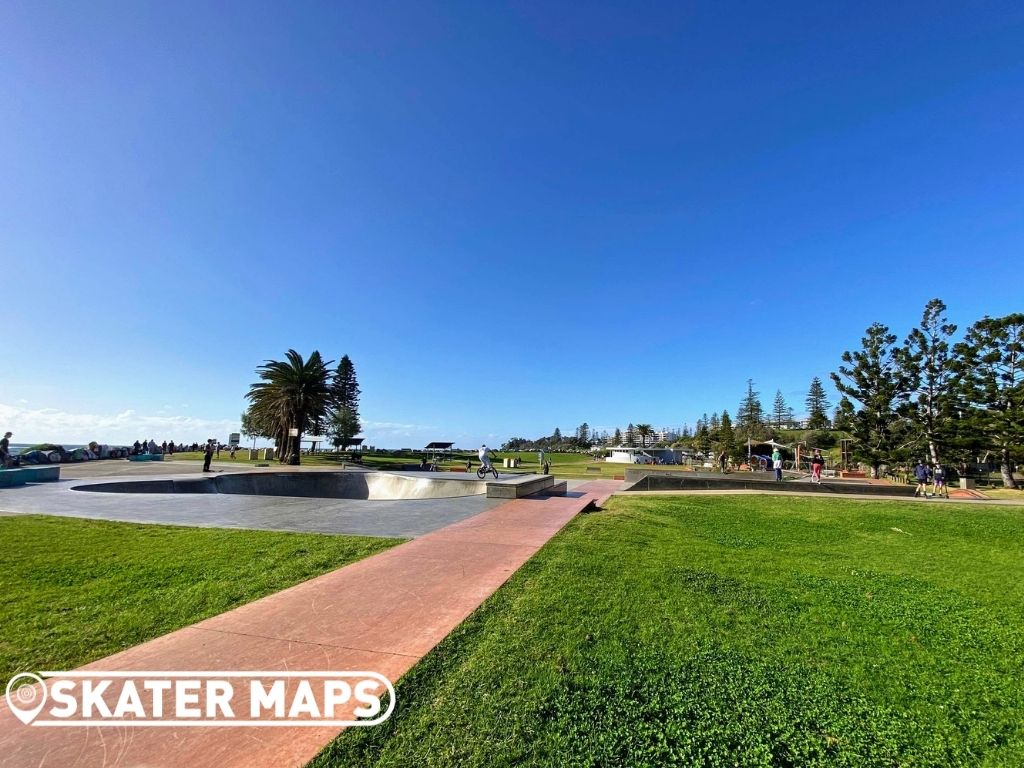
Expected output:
(28, 699)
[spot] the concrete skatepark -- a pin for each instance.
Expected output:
(392, 517)
(310, 500)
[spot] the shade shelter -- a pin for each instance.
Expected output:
(355, 443)
(444, 450)
(751, 443)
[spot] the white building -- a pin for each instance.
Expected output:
(624, 455)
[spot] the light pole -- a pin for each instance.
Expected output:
(293, 458)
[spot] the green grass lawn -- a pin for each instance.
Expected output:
(72, 591)
(733, 631)
(1006, 494)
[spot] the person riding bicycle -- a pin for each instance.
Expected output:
(485, 457)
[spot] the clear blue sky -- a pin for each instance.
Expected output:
(512, 216)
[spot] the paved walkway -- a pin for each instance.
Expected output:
(381, 614)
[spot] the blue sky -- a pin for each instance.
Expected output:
(511, 216)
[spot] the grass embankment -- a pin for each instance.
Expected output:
(72, 591)
(1006, 494)
(725, 631)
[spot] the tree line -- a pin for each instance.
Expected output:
(933, 396)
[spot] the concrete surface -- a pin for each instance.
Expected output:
(404, 518)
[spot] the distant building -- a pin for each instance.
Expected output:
(663, 435)
(626, 455)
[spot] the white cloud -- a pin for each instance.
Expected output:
(392, 434)
(51, 425)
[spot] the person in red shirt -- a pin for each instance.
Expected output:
(817, 464)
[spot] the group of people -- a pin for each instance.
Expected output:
(170, 447)
(151, 446)
(933, 476)
(817, 464)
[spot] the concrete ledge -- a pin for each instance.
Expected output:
(762, 481)
(41, 474)
(12, 478)
(518, 487)
(558, 489)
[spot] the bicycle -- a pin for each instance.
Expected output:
(484, 469)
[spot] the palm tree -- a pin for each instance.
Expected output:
(291, 395)
(645, 431)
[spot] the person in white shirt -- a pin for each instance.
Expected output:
(485, 456)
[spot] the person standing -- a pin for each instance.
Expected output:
(207, 456)
(940, 481)
(777, 463)
(540, 460)
(723, 459)
(921, 474)
(817, 464)
(5, 449)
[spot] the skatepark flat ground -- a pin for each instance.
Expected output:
(398, 518)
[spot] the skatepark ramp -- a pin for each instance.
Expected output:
(369, 486)
(640, 480)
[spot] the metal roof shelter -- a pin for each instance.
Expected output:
(435, 448)
(772, 443)
(751, 443)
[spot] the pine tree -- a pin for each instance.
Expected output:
(928, 366)
(556, 437)
(343, 422)
(702, 439)
(874, 378)
(630, 435)
(817, 406)
(726, 436)
(989, 376)
(750, 417)
(843, 417)
(617, 438)
(780, 412)
(583, 434)
(344, 426)
(345, 387)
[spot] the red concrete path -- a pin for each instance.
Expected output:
(380, 614)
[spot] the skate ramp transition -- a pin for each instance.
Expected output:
(639, 480)
(369, 486)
